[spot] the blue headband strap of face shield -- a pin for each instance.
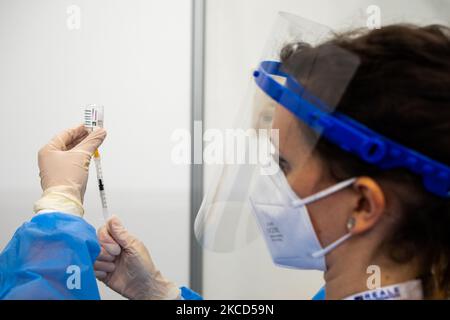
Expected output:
(348, 134)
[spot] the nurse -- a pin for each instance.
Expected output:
(360, 125)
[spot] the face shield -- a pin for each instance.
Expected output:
(299, 78)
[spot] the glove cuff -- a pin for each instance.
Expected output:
(160, 288)
(61, 199)
(174, 293)
(170, 291)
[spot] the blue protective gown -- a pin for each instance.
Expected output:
(320, 295)
(52, 257)
(46, 257)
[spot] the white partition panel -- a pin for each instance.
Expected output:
(235, 34)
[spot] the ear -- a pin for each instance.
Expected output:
(370, 206)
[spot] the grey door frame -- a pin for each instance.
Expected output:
(197, 116)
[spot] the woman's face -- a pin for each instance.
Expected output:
(307, 174)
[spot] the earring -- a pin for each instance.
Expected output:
(351, 223)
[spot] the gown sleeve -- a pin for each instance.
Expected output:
(188, 294)
(50, 257)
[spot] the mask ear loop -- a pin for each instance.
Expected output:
(322, 194)
(325, 251)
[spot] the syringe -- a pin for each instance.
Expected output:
(101, 186)
(93, 117)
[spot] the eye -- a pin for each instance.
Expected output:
(284, 165)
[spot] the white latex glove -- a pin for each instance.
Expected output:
(64, 167)
(125, 265)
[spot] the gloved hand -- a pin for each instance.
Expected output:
(64, 167)
(125, 265)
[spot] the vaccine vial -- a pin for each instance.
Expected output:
(93, 116)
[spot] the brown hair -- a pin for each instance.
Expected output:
(401, 90)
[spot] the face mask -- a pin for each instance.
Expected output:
(285, 223)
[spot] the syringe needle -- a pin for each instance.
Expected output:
(101, 186)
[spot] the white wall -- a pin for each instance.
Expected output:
(235, 35)
(132, 56)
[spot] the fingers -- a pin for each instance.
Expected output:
(92, 142)
(101, 275)
(102, 269)
(76, 141)
(110, 248)
(118, 232)
(106, 256)
(66, 138)
(105, 263)
(104, 266)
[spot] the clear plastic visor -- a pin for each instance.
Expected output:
(269, 135)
